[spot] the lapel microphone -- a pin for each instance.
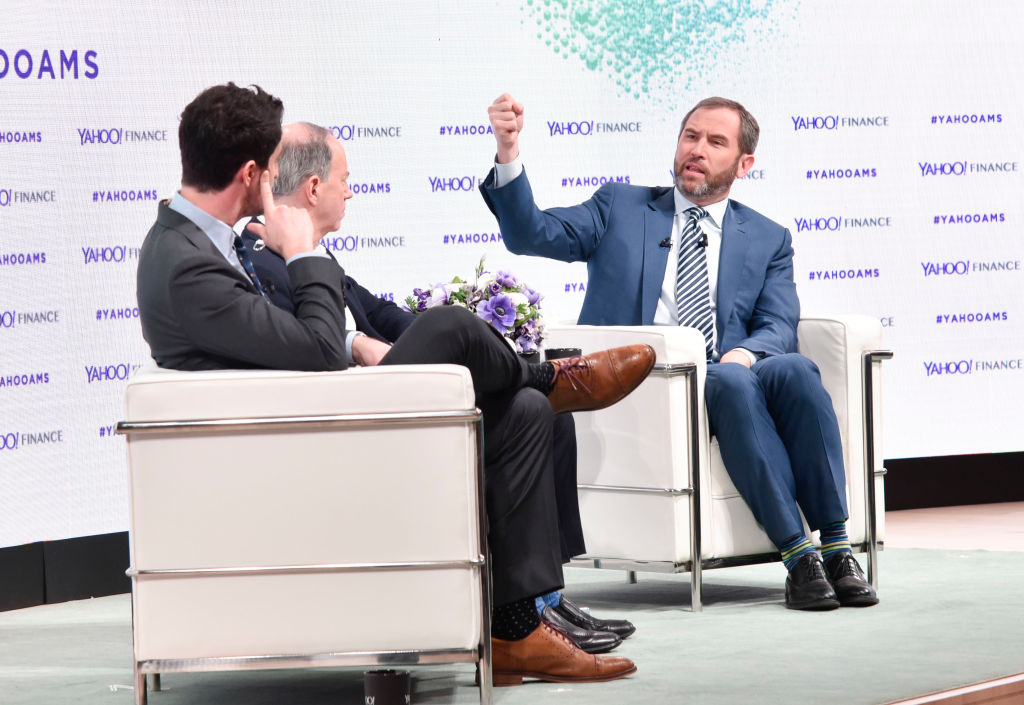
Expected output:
(703, 242)
(667, 242)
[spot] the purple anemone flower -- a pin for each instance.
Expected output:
(506, 279)
(499, 311)
(532, 296)
(526, 343)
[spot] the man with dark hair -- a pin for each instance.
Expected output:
(306, 155)
(202, 307)
(690, 256)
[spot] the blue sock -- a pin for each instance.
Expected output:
(551, 599)
(794, 548)
(834, 539)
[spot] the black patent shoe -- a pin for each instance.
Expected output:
(849, 582)
(807, 587)
(590, 641)
(620, 627)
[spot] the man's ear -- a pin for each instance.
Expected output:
(746, 161)
(248, 173)
(311, 189)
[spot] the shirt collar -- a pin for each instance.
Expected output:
(716, 211)
(219, 232)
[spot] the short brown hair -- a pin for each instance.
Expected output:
(749, 130)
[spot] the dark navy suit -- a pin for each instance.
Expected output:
(775, 423)
(385, 321)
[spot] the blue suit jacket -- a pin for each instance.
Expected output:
(372, 315)
(618, 232)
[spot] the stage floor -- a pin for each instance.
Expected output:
(950, 615)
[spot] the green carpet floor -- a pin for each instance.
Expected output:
(947, 618)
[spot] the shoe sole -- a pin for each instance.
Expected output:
(861, 601)
(502, 679)
(816, 606)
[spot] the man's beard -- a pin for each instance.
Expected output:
(713, 185)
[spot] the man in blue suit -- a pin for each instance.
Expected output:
(690, 256)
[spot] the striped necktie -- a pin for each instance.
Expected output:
(693, 297)
(243, 259)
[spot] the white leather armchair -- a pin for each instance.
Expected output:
(654, 493)
(275, 516)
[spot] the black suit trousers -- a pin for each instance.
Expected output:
(519, 484)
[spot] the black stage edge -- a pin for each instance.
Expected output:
(954, 480)
(58, 571)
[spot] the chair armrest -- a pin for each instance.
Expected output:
(156, 394)
(672, 345)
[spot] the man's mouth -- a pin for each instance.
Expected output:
(693, 168)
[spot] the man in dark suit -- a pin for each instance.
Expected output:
(201, 307)
(306, 153)
(689, 256)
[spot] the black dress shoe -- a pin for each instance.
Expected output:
(575, 615)
(807, 587)
(849, 582)
(590, 641)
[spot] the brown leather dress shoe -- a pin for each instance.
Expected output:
(549, 655)
(589, 382)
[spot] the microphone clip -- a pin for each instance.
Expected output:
(667, 242)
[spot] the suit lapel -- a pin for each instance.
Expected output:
(730, 264)
(175, 221)
(657, 227)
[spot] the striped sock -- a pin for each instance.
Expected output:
(834, 539)
(792, 549)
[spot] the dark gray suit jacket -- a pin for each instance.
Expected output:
(200, 313)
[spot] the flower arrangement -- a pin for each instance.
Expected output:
(508, 304)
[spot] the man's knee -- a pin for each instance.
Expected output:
(446, 318)
(729, 379)
(783, 369)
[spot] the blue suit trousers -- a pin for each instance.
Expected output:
(779, 439)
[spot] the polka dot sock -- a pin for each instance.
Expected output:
(515, 620)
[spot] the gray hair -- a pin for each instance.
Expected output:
(309, 155)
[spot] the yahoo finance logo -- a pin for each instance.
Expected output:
(585, 128)
(963, 167)
(835, 122)
(24, 64)
(933, 368)
(14, 440)
(354, 243)
(444, 184)
(116, 372)
(15, 197)
(12, 318)
(118, 135)
(964, 267)
(115, 254)
(352, 131)
(835, 223)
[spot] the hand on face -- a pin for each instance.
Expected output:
(288, 230)
(506, 115)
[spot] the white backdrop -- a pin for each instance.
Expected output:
(890, 148)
